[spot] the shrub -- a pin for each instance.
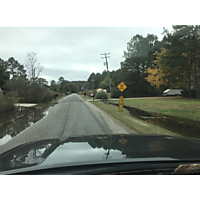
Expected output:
(29, 92)
(101, 95)
(89, 92)
(115, 93)
(6, 102)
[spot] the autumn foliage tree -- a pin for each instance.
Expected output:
(151, 66)
(156, 77)
(170, 73)
(161, 76)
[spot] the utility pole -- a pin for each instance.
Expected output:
(105, 56)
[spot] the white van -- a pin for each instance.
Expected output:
(172, 92)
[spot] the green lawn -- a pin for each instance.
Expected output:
(135, 124)
(182, 107)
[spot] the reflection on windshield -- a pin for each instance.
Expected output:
(27, 154)
(91, 149)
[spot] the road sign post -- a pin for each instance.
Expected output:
(121, 87)
(120, 103)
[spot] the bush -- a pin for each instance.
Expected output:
(101, 95)
(29, 92)
(89, 92)
(6, 102)
(115, 92)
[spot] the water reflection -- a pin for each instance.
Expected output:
(182, 126)
(27, 155)
(5, 139)
(91, 149)
(15, 121)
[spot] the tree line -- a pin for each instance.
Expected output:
(22, 83)
(151, 66)
(67, 87)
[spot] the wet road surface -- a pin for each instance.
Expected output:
(72, 116)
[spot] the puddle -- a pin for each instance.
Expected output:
(182, 126)
(15, 121)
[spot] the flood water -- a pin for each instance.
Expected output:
(14, 121)
(182, 126)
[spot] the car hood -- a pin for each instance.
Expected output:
(98, 149)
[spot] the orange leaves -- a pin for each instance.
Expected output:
(155, 77)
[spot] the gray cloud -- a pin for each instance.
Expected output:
(54, 74)
(71, 51)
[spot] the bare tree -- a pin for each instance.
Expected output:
(33, 67)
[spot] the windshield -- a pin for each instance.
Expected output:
(63, 82)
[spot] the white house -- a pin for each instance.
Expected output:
(101, 90)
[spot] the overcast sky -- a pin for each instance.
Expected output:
(71, 52)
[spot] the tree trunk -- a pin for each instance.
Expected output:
(190, 92)
(196, 78)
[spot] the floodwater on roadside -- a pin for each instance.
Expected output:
(14, 121)
(182, 126)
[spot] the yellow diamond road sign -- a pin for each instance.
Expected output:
(123, 141)
(122, 86)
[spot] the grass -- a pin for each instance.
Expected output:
(181, 107)
(135, 124)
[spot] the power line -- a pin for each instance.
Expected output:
(122, 41)
(124, 34)
(116, 39)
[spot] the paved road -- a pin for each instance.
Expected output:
(72, 116)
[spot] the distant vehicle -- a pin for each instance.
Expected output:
(173, 92)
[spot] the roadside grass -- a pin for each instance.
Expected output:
(181, 107)
(135, 124)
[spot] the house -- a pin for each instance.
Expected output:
(101, 90)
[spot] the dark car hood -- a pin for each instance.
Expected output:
(98, 149)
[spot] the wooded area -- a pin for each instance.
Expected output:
(151, 66)
(22, 83)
